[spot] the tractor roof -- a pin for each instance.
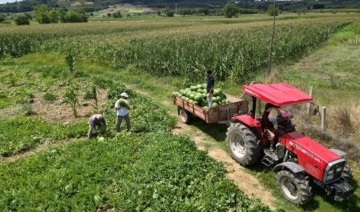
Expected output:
(279, 94)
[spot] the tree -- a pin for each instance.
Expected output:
(272, 10)
(53, 16)
(41, 14)
(22, 20)
(74, 16)
(230, 10)
(62, 15)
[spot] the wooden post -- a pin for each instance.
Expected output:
(308, 106)
(323, 119)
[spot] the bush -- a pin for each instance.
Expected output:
(2, 18)
(169, 13)
(117, 15)
(22, 20)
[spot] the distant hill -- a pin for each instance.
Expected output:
(95, 5)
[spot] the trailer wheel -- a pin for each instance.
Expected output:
(294, 187)
(243, 144)
(184, 115)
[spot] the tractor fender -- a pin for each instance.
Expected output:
(247, 120)
(293, 167)
(339, 152)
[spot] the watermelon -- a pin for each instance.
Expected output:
(193, 88)
(124, 103)
(198, 97)
(217, 92)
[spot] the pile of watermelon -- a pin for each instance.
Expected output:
(196, 94)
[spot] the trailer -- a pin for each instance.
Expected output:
(217, 114)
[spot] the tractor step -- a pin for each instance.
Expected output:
(270, 158)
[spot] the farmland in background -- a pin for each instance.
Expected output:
(135, 51)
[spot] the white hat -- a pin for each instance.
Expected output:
(123, 94)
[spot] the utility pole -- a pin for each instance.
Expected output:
(272, 41)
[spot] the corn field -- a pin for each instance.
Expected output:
(235, 51)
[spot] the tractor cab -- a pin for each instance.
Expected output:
(278, 95)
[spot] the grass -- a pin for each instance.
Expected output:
(332, 70)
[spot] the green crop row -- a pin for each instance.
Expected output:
(157, 172)
(235, 54)
(235, 51)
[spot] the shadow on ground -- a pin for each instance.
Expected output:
(215, 130)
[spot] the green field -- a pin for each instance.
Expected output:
(49, 164)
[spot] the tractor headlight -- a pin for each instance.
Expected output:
(329, 177)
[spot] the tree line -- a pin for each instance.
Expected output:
(46, 15)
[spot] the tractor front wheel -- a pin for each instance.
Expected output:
(243, 144)
(294, 187)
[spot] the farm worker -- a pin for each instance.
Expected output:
(122, 111)
(270, 118)
(96, 122)
(209, 87)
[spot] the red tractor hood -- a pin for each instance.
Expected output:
(300, 143)
(280, 94)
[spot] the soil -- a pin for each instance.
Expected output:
(57, 111)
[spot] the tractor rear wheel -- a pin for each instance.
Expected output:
(243, 144)
(294, 187)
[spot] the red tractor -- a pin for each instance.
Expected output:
(298, 160)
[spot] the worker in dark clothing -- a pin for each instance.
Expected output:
(209, 87)
(96, 122)
(270, 119)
